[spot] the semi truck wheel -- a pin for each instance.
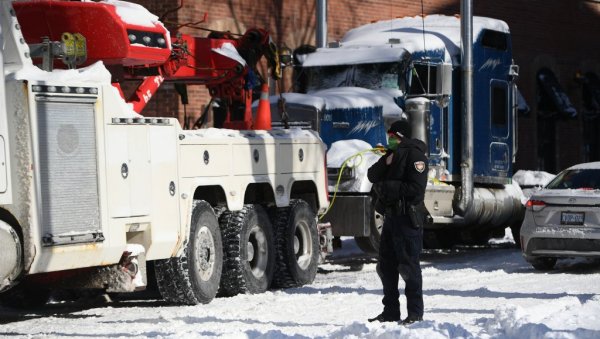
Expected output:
(249, 251)
(11, 264)
(297, 245)
(193, 278)
(370, 244)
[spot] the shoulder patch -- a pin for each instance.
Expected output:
(420, 166)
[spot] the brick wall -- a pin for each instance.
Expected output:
(560, 35)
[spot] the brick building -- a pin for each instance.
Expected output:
(556, 40)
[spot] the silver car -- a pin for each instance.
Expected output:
(563, 219)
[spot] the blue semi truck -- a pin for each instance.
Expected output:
(410, 68)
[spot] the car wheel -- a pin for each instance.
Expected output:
(516, 233)
(297, 245)
(370, 244)
(543, 264)
(248, 250)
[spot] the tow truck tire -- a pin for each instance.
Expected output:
(370, 244)
(297, 245)
(249, 251)
(194, 277)
(25, 296)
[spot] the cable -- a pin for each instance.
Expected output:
(376, 150)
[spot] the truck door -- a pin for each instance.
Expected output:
(128, 170)
(500, 122)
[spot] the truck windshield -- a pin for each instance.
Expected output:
(370, 76)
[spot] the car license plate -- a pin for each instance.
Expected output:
(572, 218)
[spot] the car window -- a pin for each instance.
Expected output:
(576, 179)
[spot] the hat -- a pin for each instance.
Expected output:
(401, 128)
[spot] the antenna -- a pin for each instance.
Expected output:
(423, 21)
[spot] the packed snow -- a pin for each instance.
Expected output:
(476, 292)
(387, 40)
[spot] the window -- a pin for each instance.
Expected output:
(325, 77)
(494, 39)
(591, 93)
(377, 76)
(371, 76)
(499, 102)
(552, 98)
(423, 79)
(576, 179)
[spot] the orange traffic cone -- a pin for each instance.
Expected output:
(263, 114)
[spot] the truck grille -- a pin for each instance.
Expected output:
(68, 182)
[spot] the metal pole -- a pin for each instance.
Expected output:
(321, 23)
(466, 24)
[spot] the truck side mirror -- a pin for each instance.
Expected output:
(444, 79)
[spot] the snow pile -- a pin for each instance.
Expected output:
(546, 320)
(530, 182)
(532, 178)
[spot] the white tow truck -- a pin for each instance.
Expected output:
(92, 194)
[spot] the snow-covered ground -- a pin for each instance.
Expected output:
(476, 292)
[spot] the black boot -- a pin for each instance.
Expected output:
(382, 318)
(411, 319)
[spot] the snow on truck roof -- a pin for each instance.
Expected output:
(371, 43)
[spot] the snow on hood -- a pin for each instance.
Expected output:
(441, 32)
(346, 98)
(343, 150)
(95, 73)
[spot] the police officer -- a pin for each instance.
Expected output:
(399, 179)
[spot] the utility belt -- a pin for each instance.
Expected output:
(403, 207)
(396, 208)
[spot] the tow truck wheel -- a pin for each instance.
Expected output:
(297, 245)
(370, 244)
(193, 278)
(25, 296)
(248, 250)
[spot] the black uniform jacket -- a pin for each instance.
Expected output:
(405, 178)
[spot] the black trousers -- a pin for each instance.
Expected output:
(399, 253)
